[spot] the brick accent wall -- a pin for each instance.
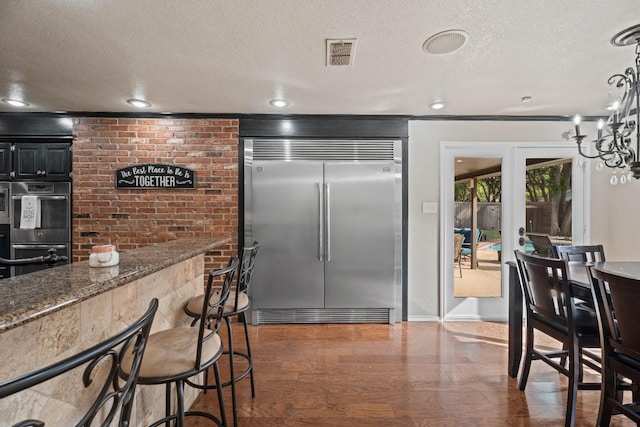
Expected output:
(131, 218)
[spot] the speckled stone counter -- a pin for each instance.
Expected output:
(25, 298)
(52, 314)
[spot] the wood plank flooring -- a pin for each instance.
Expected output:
(408, 374)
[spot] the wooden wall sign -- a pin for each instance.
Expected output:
(155, 175)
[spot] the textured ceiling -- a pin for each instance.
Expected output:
(233, 56)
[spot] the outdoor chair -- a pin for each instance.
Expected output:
(457, 250)
(466, 241)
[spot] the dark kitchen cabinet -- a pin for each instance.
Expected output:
(5, 161)
(42, 161)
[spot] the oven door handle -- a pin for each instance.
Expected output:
(43, 197)
(39, 246)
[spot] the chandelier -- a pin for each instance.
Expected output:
(614, 145)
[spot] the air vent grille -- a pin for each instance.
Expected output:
(323, 150)
(322, 315)
(340, 52)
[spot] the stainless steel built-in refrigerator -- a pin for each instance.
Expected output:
(328, 217)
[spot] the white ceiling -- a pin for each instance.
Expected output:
(233, 56)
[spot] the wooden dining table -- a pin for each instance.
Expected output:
(581, 288)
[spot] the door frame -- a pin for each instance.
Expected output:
(495, 309)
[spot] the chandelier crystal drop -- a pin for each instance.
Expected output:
(617, 145)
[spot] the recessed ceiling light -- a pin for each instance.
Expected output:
(280, 103)
(437, 105)
(139, 103)
(15, 102)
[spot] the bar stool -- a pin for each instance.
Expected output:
(176, 354)
(105, 357)
(237, 305)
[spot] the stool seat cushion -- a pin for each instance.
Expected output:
(172, 352)
(194, 305)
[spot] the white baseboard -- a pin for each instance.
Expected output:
(423, 319)
(475, 318)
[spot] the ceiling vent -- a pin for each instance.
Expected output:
(340, 51)
(445, 42)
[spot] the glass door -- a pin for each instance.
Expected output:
(550, 205)
(478, 220)
(474, 195)
(542, 196)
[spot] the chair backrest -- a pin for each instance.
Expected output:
(541, 244)
(247, 264)
(582, 254)
(457, 245)
(116, 395)
(617, 300)
(546, 287)
(466, 233)
(213, 305)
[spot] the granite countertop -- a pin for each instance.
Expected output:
(30, 296)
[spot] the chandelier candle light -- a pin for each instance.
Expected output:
(614, 143)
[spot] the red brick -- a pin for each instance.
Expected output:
(106, 144)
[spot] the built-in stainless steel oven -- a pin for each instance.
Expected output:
(40, 219)
(27, 250)
(5, 202)
(49, 219)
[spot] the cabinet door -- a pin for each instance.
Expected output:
(26, 161)
(42, 161)
(5, 161)
(55, 162)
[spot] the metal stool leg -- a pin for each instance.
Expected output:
(232, 372)
(167, 402)
(223, 414)
(246, 335)
(180, 397)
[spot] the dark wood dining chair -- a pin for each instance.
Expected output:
(552, 310)
(581, 253)
(113, 399)
(617, 300)
(541, 244)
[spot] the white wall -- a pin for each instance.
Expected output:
(615, 212)
(424, 185)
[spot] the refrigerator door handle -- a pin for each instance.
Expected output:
(320, 223)
(328, 227)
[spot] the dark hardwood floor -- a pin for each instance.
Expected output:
(408, 374)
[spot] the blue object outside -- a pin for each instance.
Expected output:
(497, 246)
